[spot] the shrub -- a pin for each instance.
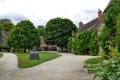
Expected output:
(6, 48)
(108, 70)
(85, 43)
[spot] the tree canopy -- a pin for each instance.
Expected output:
(41, 30)
(6, 24)
(23, 36)
(58, 31)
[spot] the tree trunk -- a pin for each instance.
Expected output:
(24, 50)
(61, 49)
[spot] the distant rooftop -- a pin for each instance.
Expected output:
(96, 23)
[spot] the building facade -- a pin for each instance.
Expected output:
(97, 23)
(3, 41)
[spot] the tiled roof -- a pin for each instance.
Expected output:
(99, 23)
(95, 24)
(87, 25)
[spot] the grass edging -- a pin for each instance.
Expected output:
(1, 54)
(25, 62)
(93, 60)
(91, 63)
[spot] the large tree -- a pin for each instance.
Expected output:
(41, 30)
(6, 24)
(24, 36)
(58, 31)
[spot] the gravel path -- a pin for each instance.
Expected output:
(66, 67)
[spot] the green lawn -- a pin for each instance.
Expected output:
(25, 62)
(97, 60)
(93, 60)
(1, 55)
(92, 63)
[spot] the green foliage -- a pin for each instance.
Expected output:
(106, 36)
(94, 60)
(51, 31)
(118, 33)
(108, 70)
(81, 43)
(1, 55)
(58, 31)
(108, 33)
(110, 39)
(118, 24)
(86, 43)
(25, 62)
(93, 45)
(92, 63)
(6, 48)
(112, 13)
(6, 24)
(23, 36)
(70, 43)
(41, 31)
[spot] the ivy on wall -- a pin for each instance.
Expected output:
(109, 34)
(118, 34)
(85, 43)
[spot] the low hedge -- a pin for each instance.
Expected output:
(6, 48)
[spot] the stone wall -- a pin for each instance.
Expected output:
(3, 41)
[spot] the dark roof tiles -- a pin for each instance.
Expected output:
(95, 24)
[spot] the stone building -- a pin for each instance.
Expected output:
(3, 41)
(45, 47)
(97, 23)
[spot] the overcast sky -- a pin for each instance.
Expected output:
(41, 11)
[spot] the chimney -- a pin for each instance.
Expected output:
(80, 24)
(99, 14)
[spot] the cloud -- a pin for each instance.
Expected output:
(39, 22)
(3, 0)
(40, 11)
(85, 16)
(14, 17)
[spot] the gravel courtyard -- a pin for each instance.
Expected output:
(66, 67)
